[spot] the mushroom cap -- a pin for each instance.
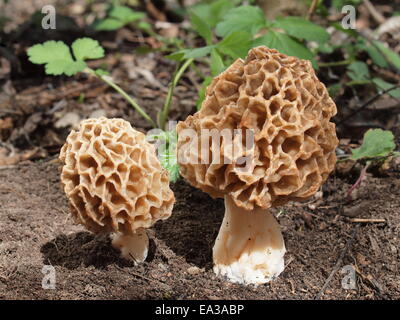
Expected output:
(287, 109)
(113, 178)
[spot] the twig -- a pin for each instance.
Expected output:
(367, 103)
(311, 11)
(373, 282)
(374, 13)
(338, 263)
(366, 220)
(140, 275)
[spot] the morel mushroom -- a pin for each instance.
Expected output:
(287, 110)
(115, 183)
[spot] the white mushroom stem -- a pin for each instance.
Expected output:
(249, 248)
(133, 247)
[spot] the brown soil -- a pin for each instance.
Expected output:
(35, 229)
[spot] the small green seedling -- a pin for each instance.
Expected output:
(60, 59)
(118, 17)
(167, 147)
(377, 146)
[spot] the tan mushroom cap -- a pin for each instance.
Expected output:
(289, 110)
(113, 178)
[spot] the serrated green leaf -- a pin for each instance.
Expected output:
(57, 58)
(216, 64)
(87, 48)
(57, 67)
(108, 24)
(75, 67)
(236, 44)
(50, 51)
(285, 44)
(244, 18)
(376, 143)
(383, 85)
(302, 29)
(201, 27)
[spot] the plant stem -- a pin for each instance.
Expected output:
(111, 83)
(167, 105)
(334, 63)
(312, 8)
(358, 182)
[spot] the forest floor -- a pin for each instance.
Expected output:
(321, 238)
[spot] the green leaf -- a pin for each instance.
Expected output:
(217, 65)
(375, 54)
(391, 56)
(358, 72)
(145, 26)
(57, 58)
(176, 56)
(285, 44)
(125, 14)
(190, 53)
(243, 18)
(212, 13)
(383, 85)
(108, 24)
(75, 67)
(236, 44)
(118, 16)
(50, 51)
(302, 29)
(201, 27)
(376, 143)
(87, 48)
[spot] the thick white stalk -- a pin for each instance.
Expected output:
(249, 248)
(133, 247)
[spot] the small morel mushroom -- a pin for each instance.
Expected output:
(287, 110)
(115, 183)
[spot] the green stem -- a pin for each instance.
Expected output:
(117, 88)
(167, 105)
(334, 63)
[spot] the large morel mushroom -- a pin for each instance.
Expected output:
(287, 109)
(115, 183)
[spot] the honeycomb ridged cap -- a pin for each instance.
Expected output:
(113, 179)
(287, 109)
